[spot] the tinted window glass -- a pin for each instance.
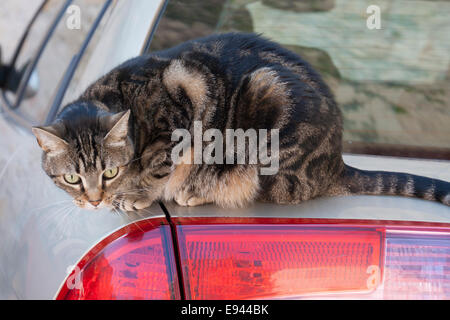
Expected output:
(392, 83)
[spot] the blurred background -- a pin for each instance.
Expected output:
(392, 84)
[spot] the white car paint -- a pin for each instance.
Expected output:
(40, 242)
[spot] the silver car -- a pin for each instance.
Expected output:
(395, 97)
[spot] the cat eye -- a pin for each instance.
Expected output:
(72, 178)
(110, 173)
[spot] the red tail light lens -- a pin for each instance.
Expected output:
(255, 258)
(275, 261)
(303, 260)
(136, 262)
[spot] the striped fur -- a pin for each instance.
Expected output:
(227, 81)
(355, 181)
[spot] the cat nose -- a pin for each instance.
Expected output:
(95, 202)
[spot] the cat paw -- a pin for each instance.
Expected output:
(194, 201)
(134, 204)
(186, 199)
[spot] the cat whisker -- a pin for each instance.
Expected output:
(139, 214)
(127, 216)
(121, 214)
(54, 214)
(131, 191)
(114, 210)
(51, 205)
(63, 220)
(8, 162)
(146, 210)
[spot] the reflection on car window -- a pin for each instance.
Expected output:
(392, 83)
(60, 50)
(78, 82)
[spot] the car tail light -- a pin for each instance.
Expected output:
(136, 262)
(337, 259)
(263, 258)
(275, 261)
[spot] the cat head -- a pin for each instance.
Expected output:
(87, 154)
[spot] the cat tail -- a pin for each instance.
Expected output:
(356, 181)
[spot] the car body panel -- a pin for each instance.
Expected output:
(41, 242)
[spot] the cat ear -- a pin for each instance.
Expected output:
(118, 134)
(48, 139)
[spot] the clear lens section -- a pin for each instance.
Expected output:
(417, 265)
(139, 265)
(276, 261)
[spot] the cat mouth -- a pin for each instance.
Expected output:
(93, 205)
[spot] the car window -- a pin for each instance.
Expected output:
(387, 62)
(63, 45)
(82, 76)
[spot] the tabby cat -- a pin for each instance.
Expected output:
(112, 147)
